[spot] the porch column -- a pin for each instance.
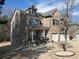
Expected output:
(27, 35)
(43, 34)
(32, 35)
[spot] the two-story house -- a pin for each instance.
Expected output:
(30, 25)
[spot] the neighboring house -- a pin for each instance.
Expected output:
(74, 31)
(27, 26)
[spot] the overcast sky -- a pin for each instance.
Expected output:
(42, 5)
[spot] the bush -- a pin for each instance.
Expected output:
(71, 37)
(1, 40)
(4, 38)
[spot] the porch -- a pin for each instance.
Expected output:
(36, 35)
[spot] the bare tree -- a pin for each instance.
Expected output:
(2, 2)
(7, 11)
(66, 19)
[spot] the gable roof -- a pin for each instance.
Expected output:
(16, 10)
(46, 14)
(49, 13)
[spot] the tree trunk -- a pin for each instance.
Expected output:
(65, 49)
(59, 36)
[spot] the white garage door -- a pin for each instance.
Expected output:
(77, 36)
(55, 37)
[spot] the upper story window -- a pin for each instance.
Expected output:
(35, 21)
(55, 22)
(33, 13)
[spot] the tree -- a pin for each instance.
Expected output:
(4, 19)
(4, 28)
(2, 2)
(66, 19)
(7, 11)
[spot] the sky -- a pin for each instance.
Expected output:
(42, 5)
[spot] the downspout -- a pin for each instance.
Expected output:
(11, 32)
(50, 27)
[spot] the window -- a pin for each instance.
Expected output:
(35, 21)
(33, 12)
(55, 22)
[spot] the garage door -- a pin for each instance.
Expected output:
(77, 36)
(55, 37)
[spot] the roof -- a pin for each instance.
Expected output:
(46, 14)
(49, 13)
(14, 12)
(37, 27)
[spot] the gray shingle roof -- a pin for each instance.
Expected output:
(49, 13)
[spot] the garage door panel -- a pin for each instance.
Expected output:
(77, 36)
(55, 37)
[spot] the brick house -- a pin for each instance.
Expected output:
(32, 25)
